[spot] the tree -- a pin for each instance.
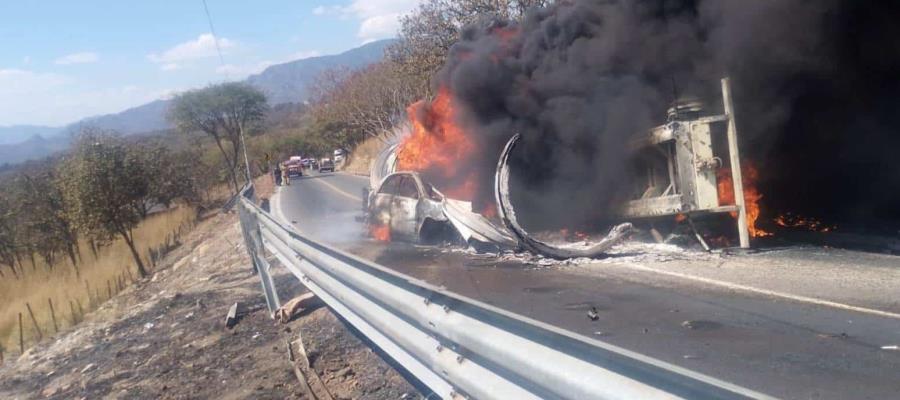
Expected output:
(353, 105)
(168, 174)
(104, 184)
(427, 33)
(223, 112)
(41, 214)
(8, 235)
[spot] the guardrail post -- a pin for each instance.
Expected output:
(253, 242)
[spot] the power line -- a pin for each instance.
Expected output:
(212, 30)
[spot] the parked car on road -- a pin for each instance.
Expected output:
(294, 166)
(409, 207)
(326, 165)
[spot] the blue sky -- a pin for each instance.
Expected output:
(62, 60)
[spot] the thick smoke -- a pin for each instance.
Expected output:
(815, 85)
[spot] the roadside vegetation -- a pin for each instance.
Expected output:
(76, 228)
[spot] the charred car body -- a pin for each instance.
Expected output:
(408, 207)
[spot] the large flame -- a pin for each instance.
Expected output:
(752, 196)
(438, 144)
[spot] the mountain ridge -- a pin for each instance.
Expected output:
(288, 82)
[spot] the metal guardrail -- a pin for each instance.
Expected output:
(460, 347)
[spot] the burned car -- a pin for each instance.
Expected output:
(404, 207)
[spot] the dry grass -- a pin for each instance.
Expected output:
(362, 156)
(113, 264)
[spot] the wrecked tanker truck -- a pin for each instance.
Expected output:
(680, 162)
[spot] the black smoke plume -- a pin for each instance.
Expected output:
(815, 87)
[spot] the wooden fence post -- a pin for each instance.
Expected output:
(72, 312)
(80, 310)
(21, 336)
(34, 321)
(90, 298)
(53, 316)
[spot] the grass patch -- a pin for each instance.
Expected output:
(112, 269)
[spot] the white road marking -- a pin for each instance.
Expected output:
(366, 177)
(767, 292)
(339, 191)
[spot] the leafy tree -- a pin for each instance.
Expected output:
(168, 174)
(9, 244)
(47, 228)
(104, 185)
(223, 112)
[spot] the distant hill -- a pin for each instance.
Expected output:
(145, 118)
(283, 83)
(290, 82)
(20, 133)
(35, 147)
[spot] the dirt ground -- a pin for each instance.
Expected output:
(165, 337)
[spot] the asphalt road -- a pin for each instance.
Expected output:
(796, 342)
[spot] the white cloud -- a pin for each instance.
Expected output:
(17, 81)
(170, 67)
(202, 47)
(84, 57)
(379, 19)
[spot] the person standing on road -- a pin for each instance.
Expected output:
(276, 174)
(285, 176)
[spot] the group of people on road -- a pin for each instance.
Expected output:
(281, 175)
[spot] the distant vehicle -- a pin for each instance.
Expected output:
(306, 162)
(326, 165)
(294, 166)
(409, 207)
(339, 155)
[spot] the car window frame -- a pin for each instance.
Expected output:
(415, 185)
(386, 186)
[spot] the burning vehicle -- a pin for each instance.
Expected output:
(402, 206)
(599, 123)
(683, 170)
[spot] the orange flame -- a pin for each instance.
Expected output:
(380, 232)
(437, 143)
(436, 140)
(790, 220)
(751, 195)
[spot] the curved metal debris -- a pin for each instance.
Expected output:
(474, 226)
(508, 216)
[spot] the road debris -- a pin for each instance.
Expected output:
(287, 311)
(592, 314)
(231, 319)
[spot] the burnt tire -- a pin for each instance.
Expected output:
(436, 232)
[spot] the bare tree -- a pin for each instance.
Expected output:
(363, 103)
(427, 34)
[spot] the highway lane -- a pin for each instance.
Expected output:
(778, 346)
